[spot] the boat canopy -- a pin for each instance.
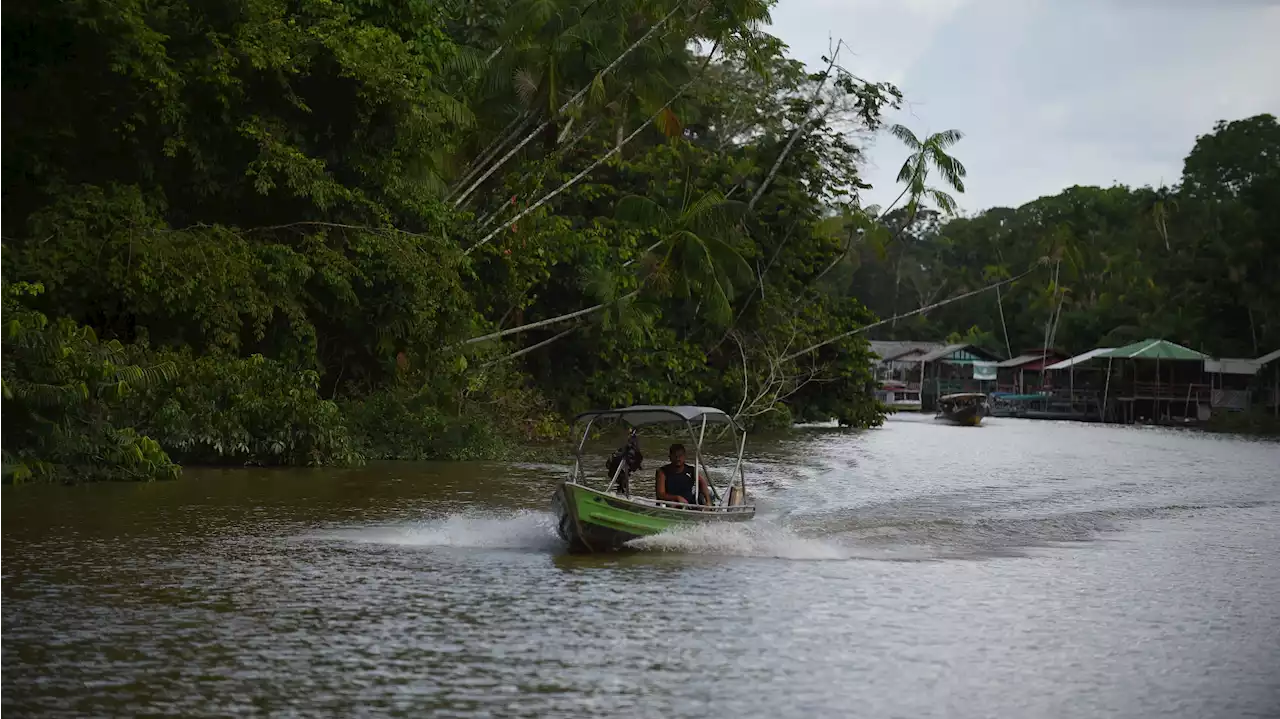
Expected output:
(641, 415)
(962, 395)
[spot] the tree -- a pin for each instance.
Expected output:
(698, 259)
(931, 153)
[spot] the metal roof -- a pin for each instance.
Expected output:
(645, 414)
(1268, 358)
(952, 349)
(1232, 365)
(1069, 363)
(1021, 360)
(1155, 350)
(888, 350)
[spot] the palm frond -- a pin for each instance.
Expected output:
(597, 94)
(726, 259)
(950, 168)
(599, 283)
(945, 202)
(465, 61)
(908, 171)
(669, 123)
(642, 211)
(946, 138)
(905, 136)
(526, 85)
(453, 111)
(48, 396)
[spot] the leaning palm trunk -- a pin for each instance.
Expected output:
(599, 161)
(548, 322)
(795, 135)
(505, 136)
(563, 108)
(534, 347)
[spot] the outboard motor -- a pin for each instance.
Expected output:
(629, 456)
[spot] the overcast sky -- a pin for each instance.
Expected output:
(1051, 93)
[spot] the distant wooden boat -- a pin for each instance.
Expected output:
(966, 408)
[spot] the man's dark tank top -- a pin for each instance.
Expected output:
(679, 481)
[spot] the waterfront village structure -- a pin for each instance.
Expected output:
(1149, 381)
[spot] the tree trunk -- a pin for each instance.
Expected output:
(572, 101)
(531, 348)
(794, 135)
(574, 180)
(548, 322)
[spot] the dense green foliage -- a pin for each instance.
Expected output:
(1198, 264)
(62, 390)
(316, 231)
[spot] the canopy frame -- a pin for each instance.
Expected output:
(647, 415)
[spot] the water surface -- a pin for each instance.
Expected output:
(1019, 569)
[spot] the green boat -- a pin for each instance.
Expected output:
(605, 517)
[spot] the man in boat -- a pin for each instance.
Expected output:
(675, 481)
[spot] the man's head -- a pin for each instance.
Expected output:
(677, 454)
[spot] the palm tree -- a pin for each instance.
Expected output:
(925, 154)
(698, 258)
(1160, 207)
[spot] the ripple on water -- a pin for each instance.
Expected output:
(480, 529)
(1071, 570)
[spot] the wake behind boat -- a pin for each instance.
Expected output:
(966, 408)
(599, 519)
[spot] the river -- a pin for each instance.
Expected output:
(1018, 569)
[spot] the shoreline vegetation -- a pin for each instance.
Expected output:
(318, 233)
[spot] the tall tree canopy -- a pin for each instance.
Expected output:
(310, 231)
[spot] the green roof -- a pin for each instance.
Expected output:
(1154, 350)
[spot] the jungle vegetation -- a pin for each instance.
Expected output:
(1197, 263)
(323, 231)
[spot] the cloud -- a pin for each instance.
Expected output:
(905, 28)
(1052, 94)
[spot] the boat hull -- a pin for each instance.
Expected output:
(593, 521)
(965, 416)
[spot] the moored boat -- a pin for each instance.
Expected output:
(966, 408)
(606, 517)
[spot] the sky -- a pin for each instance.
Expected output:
(1049, 93)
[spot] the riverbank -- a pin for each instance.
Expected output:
(1262, 424)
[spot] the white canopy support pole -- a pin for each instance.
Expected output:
(921, 392)
(742, 475)
(1157, 408)
(1106, 390)
(697, 462)
(576, 473)
(1071, 385)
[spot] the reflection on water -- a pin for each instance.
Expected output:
(1018, 569)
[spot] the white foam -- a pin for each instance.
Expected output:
(751, 539)
(522, 529)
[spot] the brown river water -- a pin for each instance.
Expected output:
(1018, 569)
